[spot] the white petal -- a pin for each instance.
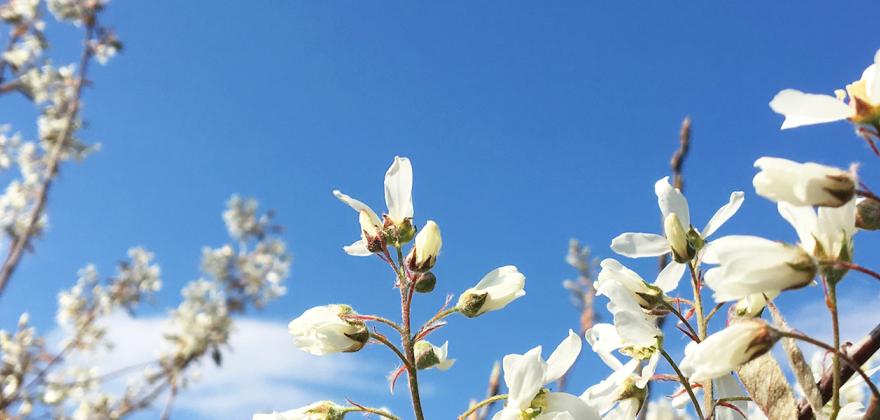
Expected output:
(669, 277)
(635, 245)
(724, 213)
(357, 249)
(671, 200)
(357, 205)
(524, 376)
(563, 357)
(801, 108)
(872, 84)
(803, 220)
(560, 403)
(398, 189)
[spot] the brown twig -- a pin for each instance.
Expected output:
(858, 353)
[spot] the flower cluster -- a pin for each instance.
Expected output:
(338, 328)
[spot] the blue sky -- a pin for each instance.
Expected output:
(527, 123)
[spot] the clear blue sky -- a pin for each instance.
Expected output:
(527, 123)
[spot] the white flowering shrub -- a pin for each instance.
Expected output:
(55, 377)
(726, 371)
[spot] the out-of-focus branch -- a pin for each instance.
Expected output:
(676, 165)
(482, 413)
(20, 243)
(859, 353)
(582, 290)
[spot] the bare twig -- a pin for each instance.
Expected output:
(491, 391)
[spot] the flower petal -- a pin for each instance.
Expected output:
(801, 108)
(563, 357)
(524, 376)
(671, 200)
(635, 245)
(357, 249)
(724, 213)
(357, 205)
(872, 83)
(398, 189)
(669, 277)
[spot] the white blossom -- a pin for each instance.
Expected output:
(749, 265)
(727, 350)
(525, 376)
(398, 199)
(677, 226)
(494, 291)
(803, 184)
(801, 108)
(327, 329)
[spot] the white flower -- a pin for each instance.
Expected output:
(525, 376)
(727, 350)
(430, 356)
(647, 295)
(801, 108)
(494, 291)
(322, 330)
(749, 265)
(674, 208)
(321, 410)
(398, 198)
(622, 394)
(637, 329)
(803, 184)
(427, 246)
(826, 235)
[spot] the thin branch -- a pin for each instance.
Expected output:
(684, 382)
(20, 243)
(384, 340)
(477, 406)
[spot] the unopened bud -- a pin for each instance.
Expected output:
(868, 214)
(470, 303)
(425, 356)
(429, 356)
(425, 282)
(424, 254)
(678, 238)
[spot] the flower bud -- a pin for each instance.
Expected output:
(678, 238)
(424, 254)
(329, 329)
(803, 184)
(425, 282)
(321, 410)
(727, 350)
(497, 289)
(868, 214)
(752, 305)
(429, 356)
